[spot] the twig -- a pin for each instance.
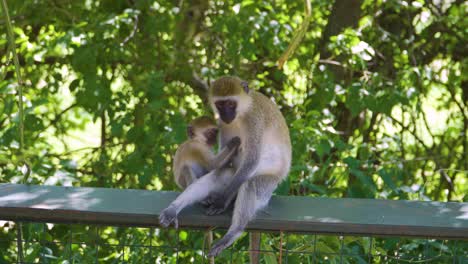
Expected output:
(56, 119)
(332, 62)
(281, 248)
(135, 28)
(297, 36)
(11, 40)
(63, 10)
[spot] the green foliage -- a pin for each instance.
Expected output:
(376, 104)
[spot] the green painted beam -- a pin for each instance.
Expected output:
(287, 213)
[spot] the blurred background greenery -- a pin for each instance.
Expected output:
(375, 95)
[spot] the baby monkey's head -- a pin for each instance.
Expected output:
(203, 129)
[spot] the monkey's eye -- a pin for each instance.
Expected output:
(219, 104)
(231, 104)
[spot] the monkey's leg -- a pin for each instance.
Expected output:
(244, 210)
(194, 172)
(190, 174)
(253, 195)
(195, 192)
(221, 162)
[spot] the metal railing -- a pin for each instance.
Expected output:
(98, 225)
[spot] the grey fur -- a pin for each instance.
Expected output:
(196, 171)
(202, 184)
(168, 216)
(226, 154)
(196, 192)
(253, 196)
(265, 158)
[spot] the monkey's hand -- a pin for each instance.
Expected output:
(218, 203)
(168, 216)
(233, 143)
(207, 202)
(211, 199)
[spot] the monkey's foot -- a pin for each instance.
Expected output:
(218, 247)
(218, 204)
(214, 210)
(211, 200)
(168, 216)
(207, 202)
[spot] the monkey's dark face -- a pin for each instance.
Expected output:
(226, 109)
(211, 136)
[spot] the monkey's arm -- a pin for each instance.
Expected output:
(222, 200)
(196, 171)
(224, 157)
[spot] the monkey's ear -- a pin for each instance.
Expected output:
(190, 132)
(245, 85)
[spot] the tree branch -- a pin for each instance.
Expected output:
(298, 35)
(56, 119)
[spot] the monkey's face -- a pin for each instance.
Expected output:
(226, 109)
(203, 128)
(211, 135)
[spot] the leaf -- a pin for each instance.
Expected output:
(145, 178)
(323, 148)
(183, 235)
(324, 248)
(352, 162)
(268, 257)
(84, 60)
(316, 188)
(354, 100)
(74, 84)
(364, 178)
(386, 176)
(283, 188)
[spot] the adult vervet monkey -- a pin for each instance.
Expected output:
(263, 160)
(264, 157)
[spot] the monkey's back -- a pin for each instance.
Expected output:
(190, 153)
(275, 118)
(276, 157)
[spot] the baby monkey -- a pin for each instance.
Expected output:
(195, 158)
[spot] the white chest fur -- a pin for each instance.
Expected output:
(272, 159)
